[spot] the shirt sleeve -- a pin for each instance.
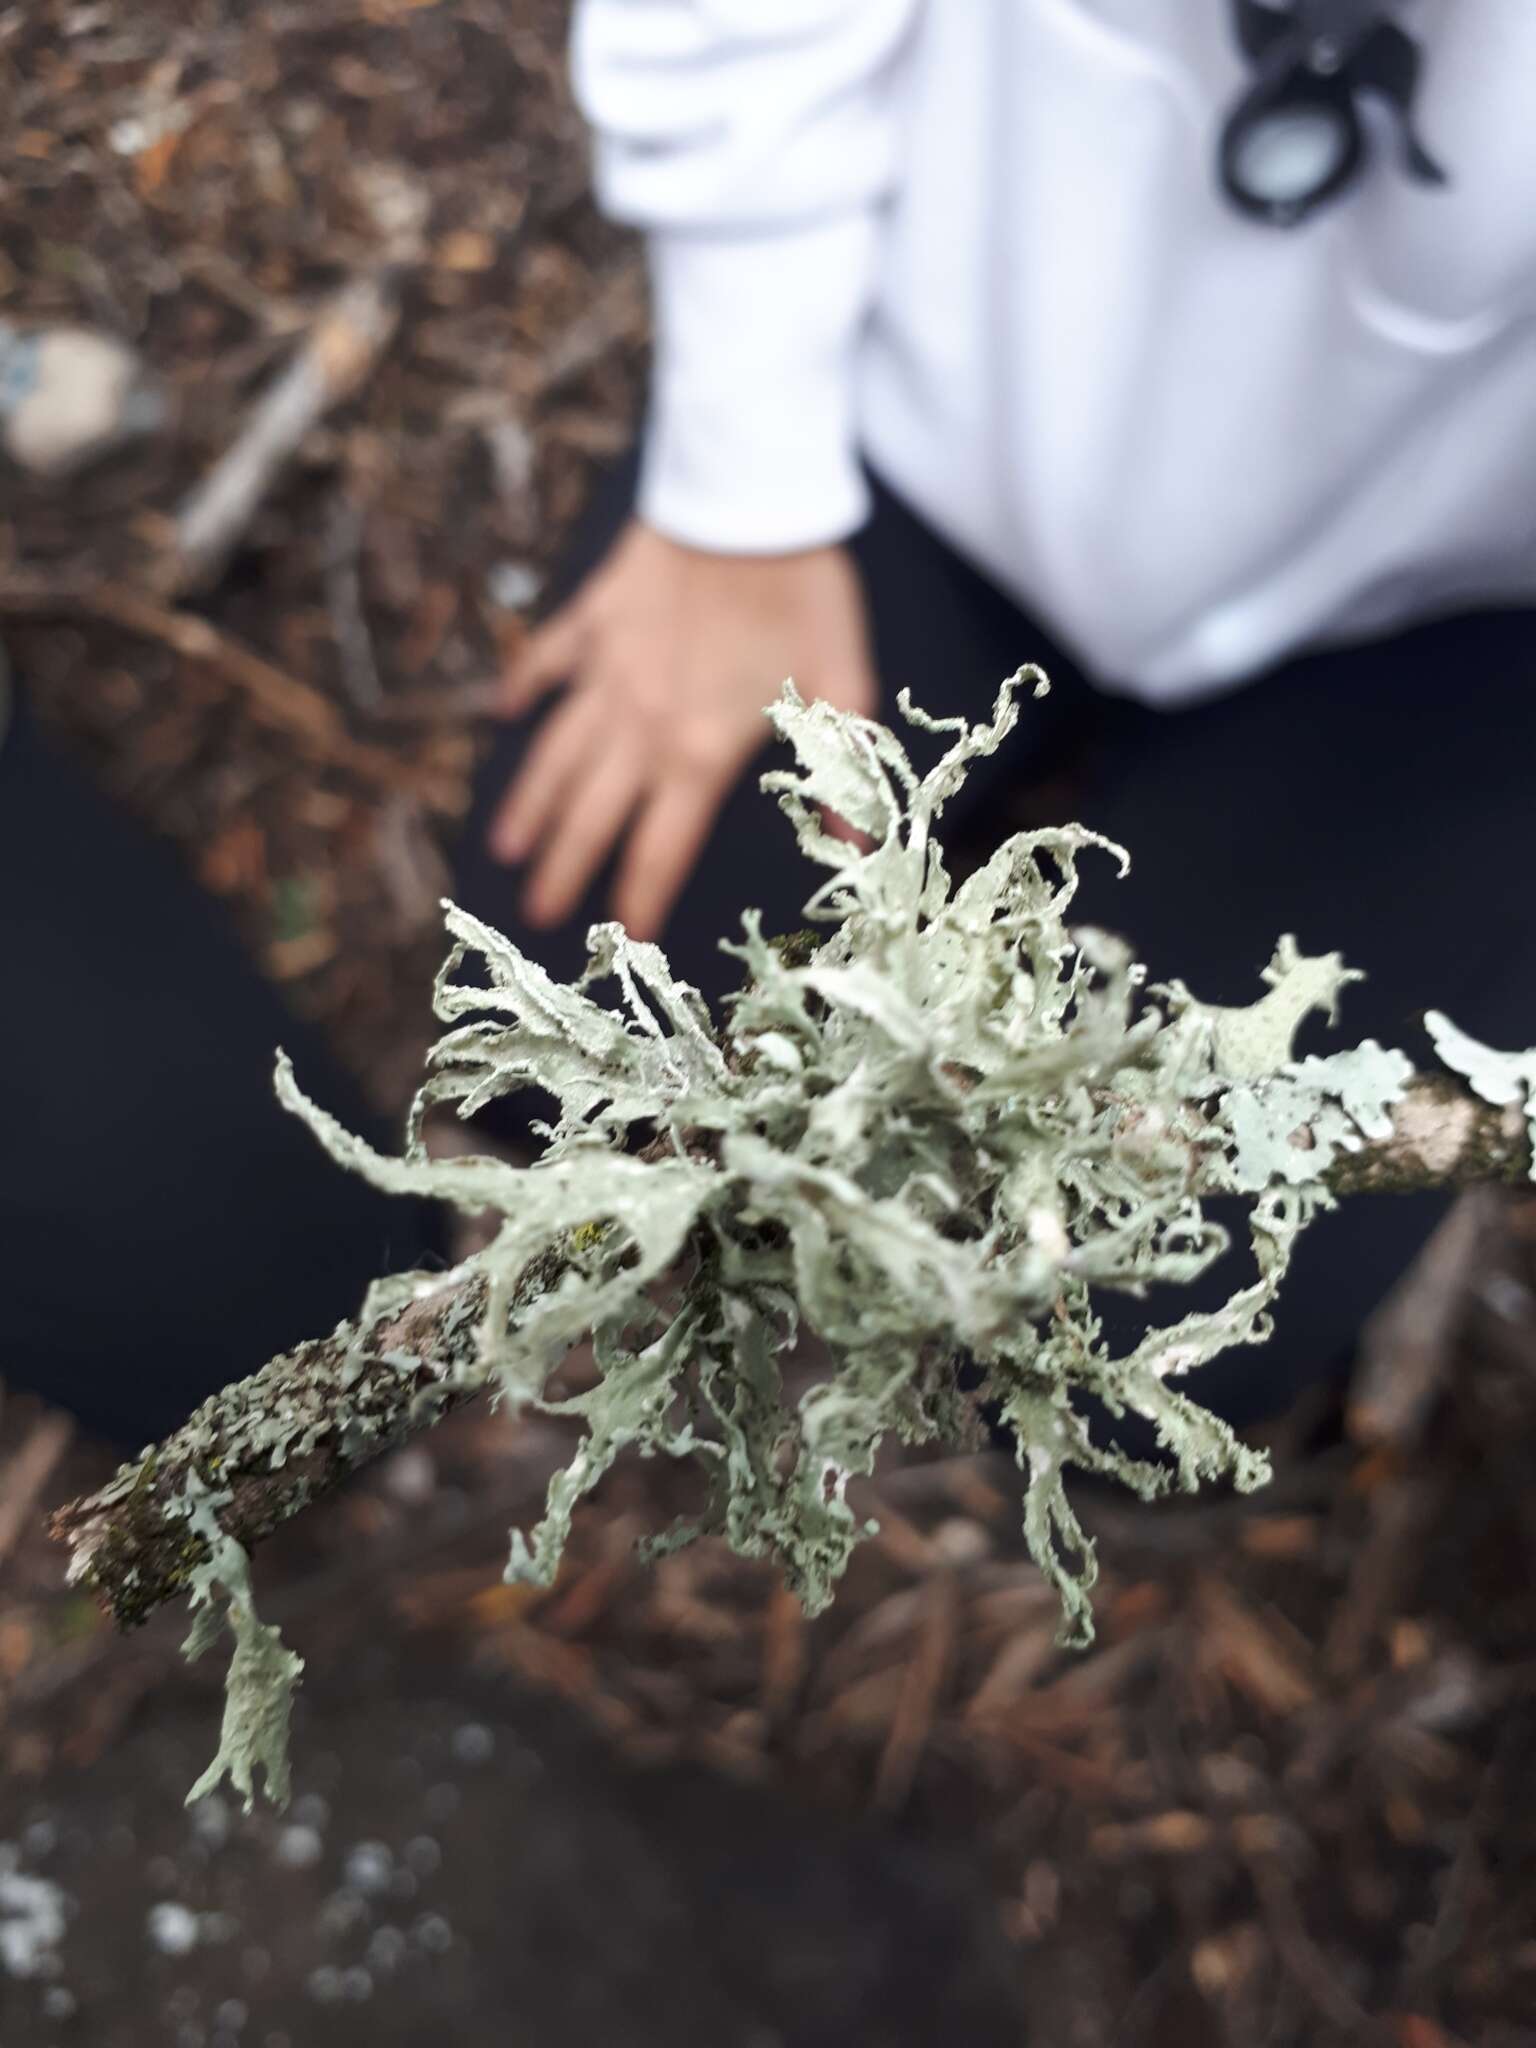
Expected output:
(755, 143)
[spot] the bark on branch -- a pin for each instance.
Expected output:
(343, 1406)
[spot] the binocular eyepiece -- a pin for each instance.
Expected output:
(1296, 138)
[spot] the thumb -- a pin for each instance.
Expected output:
(839, 828)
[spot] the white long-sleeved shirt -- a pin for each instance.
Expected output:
(980, 243)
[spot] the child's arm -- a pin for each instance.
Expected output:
(754, 141)
(755, 144)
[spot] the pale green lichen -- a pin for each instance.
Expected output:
(258, 1692)
(936, 1135)
(1338, 1102)
(1498, 1077)
(901, 1145)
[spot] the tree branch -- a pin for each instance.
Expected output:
(310, 1418)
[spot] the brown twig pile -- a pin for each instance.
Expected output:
(292, 696)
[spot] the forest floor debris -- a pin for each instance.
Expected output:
(353, 242)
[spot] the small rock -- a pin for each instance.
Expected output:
(298, 1848)
(386, 1949)
(172, 1928)
(369, 1867)
(513, 586)
(433, 1933)
(473, 1743)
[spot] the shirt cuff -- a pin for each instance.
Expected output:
(750, 445)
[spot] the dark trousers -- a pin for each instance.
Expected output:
(164, 1227)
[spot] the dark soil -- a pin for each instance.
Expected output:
(465, 1865)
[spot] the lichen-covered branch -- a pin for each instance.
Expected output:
(947, 1127)
(272, 1443)
(129, 1542)
(1442, 1137)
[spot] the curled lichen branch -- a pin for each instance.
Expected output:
(130, 1543)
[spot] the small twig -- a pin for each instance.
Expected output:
(27, 1472)
(1403, 1510)
(348, 337)
(927, 1669)
(274, 698)
(618, 308)
(457, 705)
(410, 862)
(344, 597)
(1299, 1954)
(1405, 1347)
(1448, 1932)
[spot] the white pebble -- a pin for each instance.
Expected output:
(386, 1948)
(325, 1984)
(343, 1911)
(433, 1933)
(369, 1867)
(172, 1928)
(959, 1541)
(210, 1821)
(298, 1848)
(411, 1475)
(31, 1919)
(513, 585)
(473, 1743)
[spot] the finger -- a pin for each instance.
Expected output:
(663, 850)
(596, 808)
(839, 828)
(549, 656)
(538, 788)
(852, 688)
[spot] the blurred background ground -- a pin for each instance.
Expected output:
(1285, 1800)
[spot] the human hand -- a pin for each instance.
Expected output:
(668, 656)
